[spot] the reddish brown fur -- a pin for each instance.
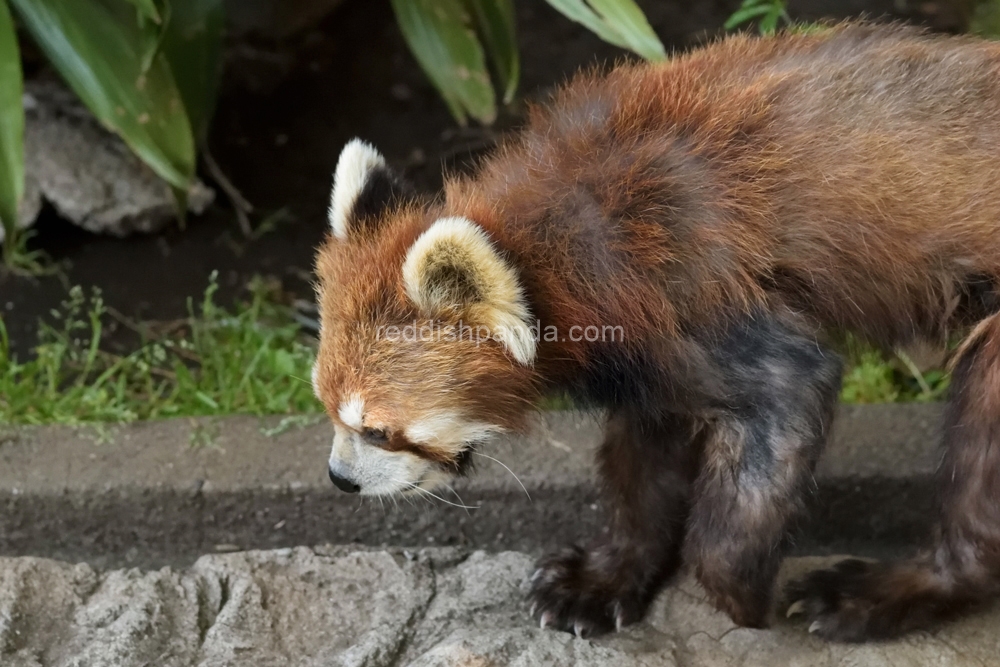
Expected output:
(360, 288)
(723, 208)
(774, 173)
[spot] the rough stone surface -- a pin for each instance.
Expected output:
(88, 174)
(428, 608)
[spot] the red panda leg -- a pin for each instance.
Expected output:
(646, 470)
(738, 525)
(756, 470)
(757, 463)
(859, 600)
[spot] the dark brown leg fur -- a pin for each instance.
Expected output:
(763, 395)
(646, 472)
(758, 461)
(858, 600)
(738, 524)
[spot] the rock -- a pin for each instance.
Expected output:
(257, 608)
(87, 173)
(429, 608)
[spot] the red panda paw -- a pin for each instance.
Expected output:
(859, 601)
(585, 593)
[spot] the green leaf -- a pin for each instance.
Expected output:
(986, 19)
(206, 399)
(578, 11)
(626, 17)
(438, 33)
(192, 44)
(744, 14)
(495, 24)
(11, 126)
(618, 22)
(147, 9)
(769, 23)
(99, 51)
(150, 21)
(770, 11)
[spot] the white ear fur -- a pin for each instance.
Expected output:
(357, 161)
(454, 265)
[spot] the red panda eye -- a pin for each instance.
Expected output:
(376, 435)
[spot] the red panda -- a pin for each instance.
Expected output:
(726, 213)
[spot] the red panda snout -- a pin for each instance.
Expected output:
(373, 458)
(358, 465)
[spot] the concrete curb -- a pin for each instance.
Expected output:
(163, 493)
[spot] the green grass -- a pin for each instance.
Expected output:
(874, 377)
(871, 378)
(254, 359)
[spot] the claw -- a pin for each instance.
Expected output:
(797, 607)
(547, 619)
(814, 627)
(536, 575)
(534, 608)
(579, 630)
(619, 621)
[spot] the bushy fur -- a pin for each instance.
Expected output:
(725, 209)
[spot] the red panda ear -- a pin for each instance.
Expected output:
(363, 188)
(454, 266)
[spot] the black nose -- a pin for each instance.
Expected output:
(343, 483)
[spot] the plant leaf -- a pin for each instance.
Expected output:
(11, 125)
(192, 44)
(628, 20)
(438, 33)
(769, 23)
(769, 11)
(495, 24)
(147, 9)
(99, 52)
(986, 19)
(744, 14)
(618, 22)
(578, 11)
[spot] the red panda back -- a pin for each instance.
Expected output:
(856, 170)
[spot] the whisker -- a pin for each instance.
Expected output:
(508, 470)
(408, 498)
(446, 502)
(452, 489)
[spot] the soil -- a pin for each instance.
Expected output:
(284, 114)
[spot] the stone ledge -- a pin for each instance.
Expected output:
(143, 494)
(430, 607)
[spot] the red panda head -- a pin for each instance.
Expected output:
(426, 347)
